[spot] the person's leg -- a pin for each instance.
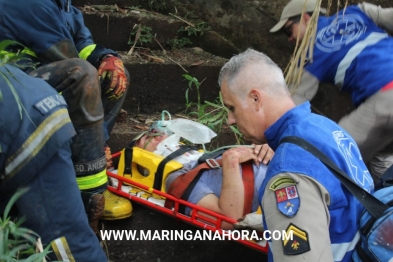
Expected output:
(371, 125)
(53, 208)
(112, 107)
(77, 80)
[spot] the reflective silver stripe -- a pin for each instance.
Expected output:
(62, 250)
(372, 39)
(36, 141)
(340, 250)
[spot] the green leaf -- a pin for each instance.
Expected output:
(188, 77)
(213, 104)
(39, 256)
(187, 94)
(5, 43)
(235, 130)
(215, 117)
(12, 201)
(5, 77)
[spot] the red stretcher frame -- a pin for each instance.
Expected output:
(195, 219)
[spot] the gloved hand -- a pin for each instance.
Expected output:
(112, 69)
(250, 221)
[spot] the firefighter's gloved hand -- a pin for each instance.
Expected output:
(250, 221)
(112, 71)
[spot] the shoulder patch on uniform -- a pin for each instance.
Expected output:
(288, 201)
(298, 244)
(282, 181)
(46, 104)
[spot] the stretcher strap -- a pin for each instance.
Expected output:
(128, 158)
(248, 181)
(160, 169)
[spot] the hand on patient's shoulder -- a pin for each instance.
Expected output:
(239, 154)
(264, 153)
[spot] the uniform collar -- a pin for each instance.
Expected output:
(285, 124)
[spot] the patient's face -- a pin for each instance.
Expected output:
(149, 143)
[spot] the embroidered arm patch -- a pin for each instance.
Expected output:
(287, 198)
(298, 244)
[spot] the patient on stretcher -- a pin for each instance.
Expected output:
(221, 190)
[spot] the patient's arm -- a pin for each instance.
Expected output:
(231, 201)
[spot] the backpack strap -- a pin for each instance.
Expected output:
(374, 206)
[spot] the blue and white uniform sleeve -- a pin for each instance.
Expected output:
(381, 16)
(307, 88)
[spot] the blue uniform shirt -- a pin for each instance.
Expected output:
(343, 151)
(353, 52)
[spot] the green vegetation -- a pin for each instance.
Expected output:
(179, 43)
(13, 59)
(212, 114)
(144, 36)
(17, 242)
(197, 30)
(156, 5)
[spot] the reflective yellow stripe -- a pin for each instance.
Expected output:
(36, 141)
(85, 52)
(62, 250)
(88, 182)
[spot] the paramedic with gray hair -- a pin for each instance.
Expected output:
(299, 193)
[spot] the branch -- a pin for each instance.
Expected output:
(168, 56)
(188, 23)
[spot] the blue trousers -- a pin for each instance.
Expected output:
(53, 207)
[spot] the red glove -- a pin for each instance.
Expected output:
(112, 69)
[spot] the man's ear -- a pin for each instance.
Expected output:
(256, 97)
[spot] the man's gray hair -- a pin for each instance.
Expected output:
(266, 75)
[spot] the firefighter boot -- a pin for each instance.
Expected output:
(116, 207)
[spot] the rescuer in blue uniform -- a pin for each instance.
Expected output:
(352, 49)
(55, 42)
(299, 193)
(35, 152)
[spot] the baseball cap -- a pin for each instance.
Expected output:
(295, 8)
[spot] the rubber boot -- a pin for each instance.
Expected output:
(94, 207)
(115, 207)
(90, 166)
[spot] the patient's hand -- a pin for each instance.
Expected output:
(264, 153)
(250, 221)
(239, 154)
